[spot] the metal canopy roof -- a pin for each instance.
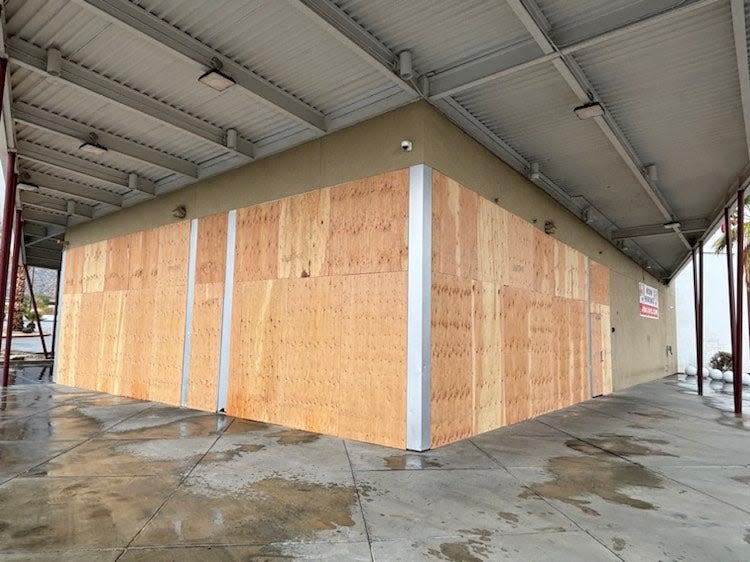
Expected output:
(672, 76)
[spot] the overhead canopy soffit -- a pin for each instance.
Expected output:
(631, 114)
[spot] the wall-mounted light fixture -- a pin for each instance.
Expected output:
(179, 212)
(215, 78)
(92, 146)
(589, 110)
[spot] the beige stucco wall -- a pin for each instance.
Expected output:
(638, 344)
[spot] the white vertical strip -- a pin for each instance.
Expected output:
(58, 314)
(589, 335)
(419, 298)
(226, 314)
(192, 253)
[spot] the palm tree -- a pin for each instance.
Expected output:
(721, 242)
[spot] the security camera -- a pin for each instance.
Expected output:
(406, 145)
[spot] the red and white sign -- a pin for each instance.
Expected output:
(648, 301)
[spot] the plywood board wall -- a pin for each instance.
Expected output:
(123, 314)
(319, 311)
(208, 300)
(509, 317)
(601, 333)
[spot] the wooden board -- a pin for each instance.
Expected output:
(570, 272)
(208, 301)
(519, 270)
(454, 228)
(487, 354)
(452, 357)
(257, 242)
(303, 232)
(368, 230)
(601, 354)
(599, 279)
(492, 242)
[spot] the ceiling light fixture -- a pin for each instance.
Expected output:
(589, 110)
(215, 78)
(92, 146)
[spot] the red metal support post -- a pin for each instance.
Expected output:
(36, 310)
(58, 298)
(14, 274)
(6, 229)
(739, 301)
(730, 286)
(700, 316)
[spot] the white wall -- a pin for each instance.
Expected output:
(716, 334)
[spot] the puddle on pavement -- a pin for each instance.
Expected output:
(406, 462)
(232, 454)
(293, 437)
(625, 445)
(271, 510)
(508, 517)
(245, 426)
(597, 474)
(618, 544)
(654, 415)
(470, 550)
(745, 479)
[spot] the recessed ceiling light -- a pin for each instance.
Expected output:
(589, 110)
(92, 146)
(217, 80)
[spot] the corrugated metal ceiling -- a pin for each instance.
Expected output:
(671, 88)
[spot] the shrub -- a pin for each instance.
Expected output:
(721, 360)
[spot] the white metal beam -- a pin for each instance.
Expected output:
(340, 25)
(48, 121)
(135, 18)
(65, 162)
(31, 57)
(469, 123)
(576, 80)
(41, 217)
(494, 66)
(59, 186)
(686, 226)
(45, 202)
(739, 27)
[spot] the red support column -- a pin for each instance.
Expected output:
(36, 310)
(58, 299)
(730, 288)
(6, 232)
(740, 304)
(700, 316)
(9, 324)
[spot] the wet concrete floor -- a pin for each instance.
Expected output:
(651, 473)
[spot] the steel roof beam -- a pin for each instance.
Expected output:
(739, 27)
(494, 66)
(47, 254)
(48, 121)
(133, 17)
(44, 263)
(43, 217)
(48, 243)
(340, 25)
(464, 119)
(45, 202)
(686, 226)
(68, 163)
(576, 80)
(31, 57)
(67, 188)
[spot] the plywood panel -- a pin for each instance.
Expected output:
(570, 272)
(544, 263)
(517, 305)
(67, 357)
(205, 341)
(173, 254)
(211, 250)
(452, 359)
(116, 275)
(520, 272)
(487, 357)
(310, 364)
(73, 282)
(368, 225)
(303, 233)
(257, 242)
(599, 279)
(454, 228)
(491, 242)
(255, 383)
(94, 266)
(601, 354)
(372, 383)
